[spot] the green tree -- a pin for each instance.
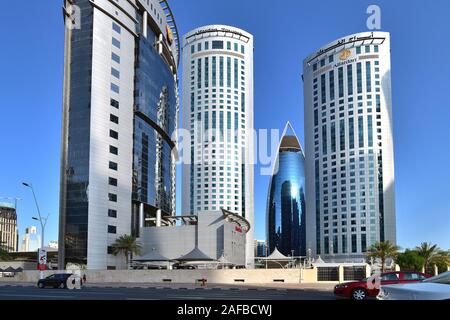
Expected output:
(410, 260)
(383, 250)
(427, 251)
(4, 252)
(126, 245)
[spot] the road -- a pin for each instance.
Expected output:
(31, 292)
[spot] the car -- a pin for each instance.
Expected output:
(57, 280)
(435, 288)
(366, 288)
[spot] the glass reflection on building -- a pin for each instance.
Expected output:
(285, 228)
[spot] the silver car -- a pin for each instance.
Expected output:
(435, 288)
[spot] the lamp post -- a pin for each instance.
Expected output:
(42, 221)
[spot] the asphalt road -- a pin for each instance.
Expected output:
(29, 292)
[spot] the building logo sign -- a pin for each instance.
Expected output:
(169, 35)
(238, 229)
(345, 54)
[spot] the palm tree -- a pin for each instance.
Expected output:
(427, 251)
(383, 250)
(127, 245)
(441, 260)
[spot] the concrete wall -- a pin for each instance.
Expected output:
(226, 276)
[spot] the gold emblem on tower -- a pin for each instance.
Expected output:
(345, 54)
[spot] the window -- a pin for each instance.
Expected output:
(115, 57)
(116, 27)
(115, 73)
(342, 134)
(368, 77)
(199, 47)
(113, 150)
(361, 131)
(228, 45)
(324, 139)
(412, 276)
(112, 229)
(112, 213)
(192, 49)
(115, 103)
(331, 85)
(354, 244)
(359, 77)
(113, 134)
(206, 72)
(110, 250)
(341, 82)
(112, 182)
(358, 50)
(214, 75)
(114, 118)
(389, 277)
(113, 165)
(206, 45)
(228, 72)
(115, 88)
(350, 79)
(323, 91)
(333, 137)
(112, 197)
(116, 42)
(217, 44)
(242, 49)
(221, 71)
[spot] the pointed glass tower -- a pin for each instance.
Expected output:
(286, 198)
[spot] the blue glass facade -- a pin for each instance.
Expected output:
(286, 200)
(156, 119)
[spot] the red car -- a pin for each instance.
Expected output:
(361, 290)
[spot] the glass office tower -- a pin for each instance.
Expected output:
(286, 200)
(349, 147)
(120, 109)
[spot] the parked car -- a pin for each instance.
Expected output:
(57, 280)
(365, 288)
(435, 288)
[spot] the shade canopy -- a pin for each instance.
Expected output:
(276, 256)
(151, 256)
(195, 255)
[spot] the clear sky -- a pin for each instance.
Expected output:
(31, 72)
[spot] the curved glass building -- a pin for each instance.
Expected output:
(286, 200)
(120, 110)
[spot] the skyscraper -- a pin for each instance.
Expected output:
(8, 227)
(349, 146)
(285, 226)
(120, 109)
(31, 241)
(218, 113)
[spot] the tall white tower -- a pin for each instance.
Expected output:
(218, 113)
(349, 147)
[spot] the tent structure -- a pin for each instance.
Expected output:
(151, 256)
(276, 259)
(195, 255)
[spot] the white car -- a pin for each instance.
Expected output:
(435, 288)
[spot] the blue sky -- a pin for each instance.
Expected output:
(31, 71)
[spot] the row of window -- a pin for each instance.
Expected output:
(216, 67)
(328, 83)
(114, 120)
(217, 45)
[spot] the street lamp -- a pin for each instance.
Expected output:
(43, 221)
